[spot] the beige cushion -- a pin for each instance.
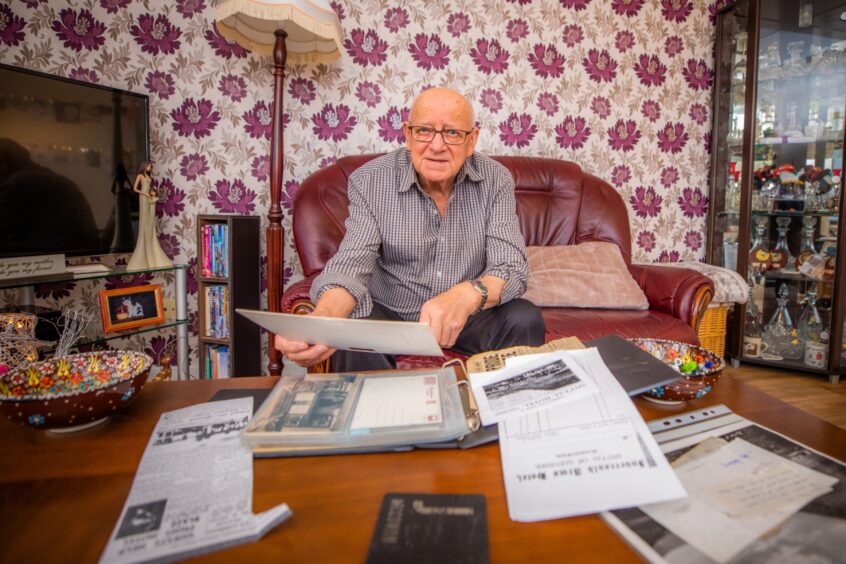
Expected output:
(591, 274)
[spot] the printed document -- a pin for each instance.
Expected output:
(583, 456)
(193, 491)
(738, 493)
(543, 380)
(398, 402)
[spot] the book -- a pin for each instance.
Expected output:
(430, 528)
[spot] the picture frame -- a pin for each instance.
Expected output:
(128, 308)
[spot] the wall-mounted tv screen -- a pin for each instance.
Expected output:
(69, 152)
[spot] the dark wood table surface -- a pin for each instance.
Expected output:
(61, 495)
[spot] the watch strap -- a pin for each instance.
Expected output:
(480, 287)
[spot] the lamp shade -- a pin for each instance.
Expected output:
(314, 32)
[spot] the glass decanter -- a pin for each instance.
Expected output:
(780, 338)
(759, 256)
(813, 332)
(780, 256)
(806, 248)
(752, 328)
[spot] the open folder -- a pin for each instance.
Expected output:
(367, 412)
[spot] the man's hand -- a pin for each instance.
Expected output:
(447, 313)
(335, 302)
(301, 352)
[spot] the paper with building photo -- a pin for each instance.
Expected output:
(543, 380)
(738, 493)
(583, 456)
(193, 489)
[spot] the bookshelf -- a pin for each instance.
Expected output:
(228, 278)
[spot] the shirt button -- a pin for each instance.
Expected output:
(439, 274)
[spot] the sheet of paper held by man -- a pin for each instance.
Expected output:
(544, 380)
(193, 491)
(584, 456)
(738, 493)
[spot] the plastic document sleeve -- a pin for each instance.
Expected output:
(335, 413)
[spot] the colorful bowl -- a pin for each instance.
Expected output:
(73, 392)
(699, 369)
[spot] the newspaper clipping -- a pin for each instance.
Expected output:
(193, 490)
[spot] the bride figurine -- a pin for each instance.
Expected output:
(148, 253)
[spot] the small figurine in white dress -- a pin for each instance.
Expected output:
(148, 252)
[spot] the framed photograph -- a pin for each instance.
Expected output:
(126, 308)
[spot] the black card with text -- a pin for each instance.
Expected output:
(423, 528)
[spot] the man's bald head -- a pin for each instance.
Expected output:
(444, 98)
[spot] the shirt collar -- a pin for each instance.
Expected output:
(468, 170)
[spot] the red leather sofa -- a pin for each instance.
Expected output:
(557, 204)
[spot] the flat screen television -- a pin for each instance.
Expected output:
(69, 152)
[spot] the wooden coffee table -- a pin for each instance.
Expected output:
(61, 495)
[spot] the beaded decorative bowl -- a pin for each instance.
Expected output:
(699, 369)
(73, 392)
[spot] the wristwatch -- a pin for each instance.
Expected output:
(480, 287)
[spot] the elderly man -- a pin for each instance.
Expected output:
(432, 236)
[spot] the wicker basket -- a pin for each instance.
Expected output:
(712, 330)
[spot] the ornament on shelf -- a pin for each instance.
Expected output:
(17, 341)
(148, 252)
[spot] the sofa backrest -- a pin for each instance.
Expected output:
(557, 204)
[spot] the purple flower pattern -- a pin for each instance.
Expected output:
(429, 51)
(572, 132)
(693, 202)
(546, 61)
(458, 24)
(651, 110)
(676, 10)
(259, 120)
(233, 86)
(672, 138)
(577, 5)
(668, 256)
(627, 8)
(646, 240)
(516, 30)
(697, 74)
(260, 168)
(693, 240)
(396, 19)
(188, 8)
(673, 45)
(669, 176)
(698, 113)
(171, 199)
(156, 35)
(650, 71)
(193, 166)
(369, 93)
(548, 103)
(11, 27)
(232, 197)
(111, 6)
(302, 89)
(572, 35)
(333, 123)
(366, 48)
(600, 66)
(160, 83)
(85, 75)
(489, 56)
(517, 131)
(620, 174)
(601, 107)
(222, 46)
(195, 118)
(645, 202)
(491, 99)
(390, 125)
(624, 135)
(79, 30)
(624, 40)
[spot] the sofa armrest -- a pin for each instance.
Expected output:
(681, 292)
(296, 298)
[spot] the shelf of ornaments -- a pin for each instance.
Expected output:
(93, 335)
(783, 213)
(75, 277)
(797, 75)
(797, 364)
(736, 144)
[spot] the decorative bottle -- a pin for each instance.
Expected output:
(780, 256)
(806, 249)
(780, 337)
(759, 256)
(751, 328)
(813, 332)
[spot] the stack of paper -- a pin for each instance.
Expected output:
(576, 449)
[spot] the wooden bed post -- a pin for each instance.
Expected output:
(275, 251)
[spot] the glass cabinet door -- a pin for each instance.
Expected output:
(780, 103)
(729, 124)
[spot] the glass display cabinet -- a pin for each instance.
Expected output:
(776, 179)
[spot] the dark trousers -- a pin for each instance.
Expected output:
(517, 322)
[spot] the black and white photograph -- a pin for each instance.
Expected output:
(142, 518)
(525, 386)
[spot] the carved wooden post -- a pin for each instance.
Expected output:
(275, 250)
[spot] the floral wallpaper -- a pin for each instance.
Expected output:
(621, 87)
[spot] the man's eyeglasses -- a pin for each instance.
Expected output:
(425, 134)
